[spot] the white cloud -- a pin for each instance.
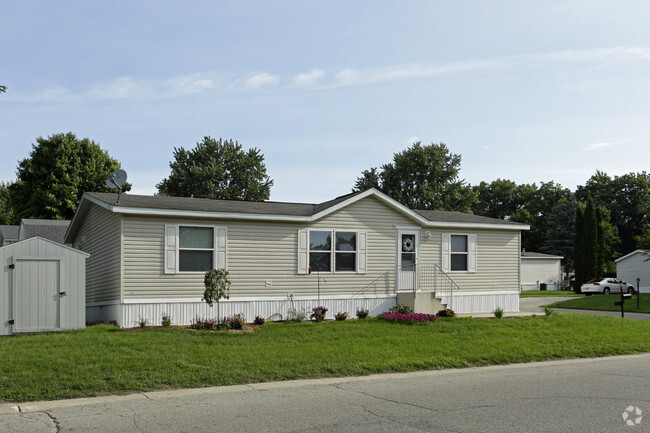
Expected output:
(189, 84)
(262, 79)
(602, 144)
(413, 140)
(122, 88)
(487, 147)
(309, 78)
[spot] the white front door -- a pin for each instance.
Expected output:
(407, 259)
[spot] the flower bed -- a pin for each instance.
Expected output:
(407, 317)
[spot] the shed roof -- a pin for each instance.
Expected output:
(646, 252)
(533, 255)
(8, 233)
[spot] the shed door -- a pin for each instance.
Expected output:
(36, 297)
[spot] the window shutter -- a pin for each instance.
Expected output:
(171, 240)
(362, 238)
(471, 246)
(446, 240)
(222, 237)
(303, 251)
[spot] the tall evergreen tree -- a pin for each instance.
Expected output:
(560, 236)
(585, 253)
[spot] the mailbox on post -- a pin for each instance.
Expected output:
(621, 303)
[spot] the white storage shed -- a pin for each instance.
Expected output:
(635, 265)
(43, 287)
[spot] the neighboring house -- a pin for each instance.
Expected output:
(635, 265)
(53, 230)
(538, 269)
(8, 235)
(149, 255)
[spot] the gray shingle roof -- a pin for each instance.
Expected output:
(532, 255)
(460, 217)
(270, 207)
(9, 232)
(53, 230)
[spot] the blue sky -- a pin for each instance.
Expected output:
(523, 90)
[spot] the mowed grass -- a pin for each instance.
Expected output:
(548, 293)
(606, 303)
(104, 359)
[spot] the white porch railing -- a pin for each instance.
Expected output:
(427, 279)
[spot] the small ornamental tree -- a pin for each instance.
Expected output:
(217, 287)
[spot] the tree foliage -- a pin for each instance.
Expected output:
(218, 169)
(627, 198)
(60, 168)
(7, 214)
(217, 287)
(3, 89)
(525, 203)
(422, 177)
(561, 232)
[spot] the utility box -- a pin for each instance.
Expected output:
(43, 287)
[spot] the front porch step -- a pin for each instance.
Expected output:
(421, 302)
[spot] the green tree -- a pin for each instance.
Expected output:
(586, 246)
(561, 232)
(422, 177)
(59, 170)
(218, 169)
(217, 287)
(497, 199)
(627, 198)
(3, 89)
(7, 214)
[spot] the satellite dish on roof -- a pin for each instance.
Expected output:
(116, 180)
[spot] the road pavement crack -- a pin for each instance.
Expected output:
(56, 422)
(385, 399)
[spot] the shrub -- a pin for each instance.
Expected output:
(341, 316)
(318, 313)
(142, 322)
(407, 318)
(362, 313)
(548, 311)
(401, 309)
(498, 312)
(236, 322)
(207, 324)
(448, 312)
(259, 320)
(166, 320)
(296, 316)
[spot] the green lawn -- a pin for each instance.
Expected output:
(606, 303)
(547, 293)
(104, 359)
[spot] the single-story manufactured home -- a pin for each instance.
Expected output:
(635, 265)
(149, 254)
(540, 271)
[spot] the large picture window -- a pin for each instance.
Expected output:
(335, 249)
(195, 249)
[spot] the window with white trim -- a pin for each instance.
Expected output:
(459, 253)
(332, 249)
(194, 248)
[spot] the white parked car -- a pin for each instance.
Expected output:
(606, 286)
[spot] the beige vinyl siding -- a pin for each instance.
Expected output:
(497, 258)
(258, 252)
(99, 235)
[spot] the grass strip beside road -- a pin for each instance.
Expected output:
(106, 360)
(548, 294)
(606, 303)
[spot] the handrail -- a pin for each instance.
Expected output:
(428, 279)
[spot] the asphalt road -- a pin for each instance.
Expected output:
(588, 395)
